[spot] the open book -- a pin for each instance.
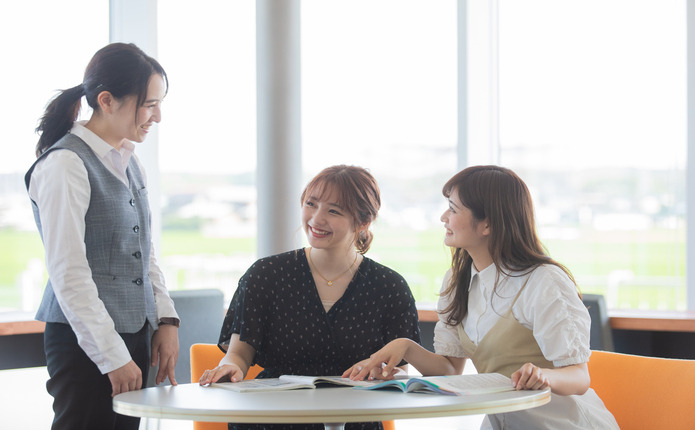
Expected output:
(456, 385)
(452, 385)
(288, 382)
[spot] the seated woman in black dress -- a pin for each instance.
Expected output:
(318, 310)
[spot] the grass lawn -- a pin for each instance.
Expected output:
(422, 259)
(16, 250)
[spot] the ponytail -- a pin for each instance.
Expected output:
(58, 118)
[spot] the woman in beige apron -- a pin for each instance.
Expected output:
(507, 306)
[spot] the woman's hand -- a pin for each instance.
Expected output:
(234, 364)
(382, 364)
(165, 352)
(125, 378)
(376, 372)
(222, 373)
(530, 377)
(565, 381)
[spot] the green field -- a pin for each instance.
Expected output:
(655, 259)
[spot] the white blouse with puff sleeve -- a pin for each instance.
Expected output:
(549, 306)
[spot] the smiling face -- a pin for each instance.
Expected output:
(132, 122)
(326, 223)
(463, 230)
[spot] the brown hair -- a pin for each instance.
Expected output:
(358, 193)
(500, 196)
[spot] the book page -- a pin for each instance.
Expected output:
(288, 382)
(473, 384)
(268, 384)
(336, 380)
(399, 384)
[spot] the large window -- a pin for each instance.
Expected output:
(207, 143)
(592, 114)
(584, 99)
(379, 91)
(46, 47)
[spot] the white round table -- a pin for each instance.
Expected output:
(332, 406)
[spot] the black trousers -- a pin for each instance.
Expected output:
(81, 394)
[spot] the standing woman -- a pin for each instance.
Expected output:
(506, 305)
(316, 310)
(89, 197)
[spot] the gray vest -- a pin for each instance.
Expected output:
(117, 239)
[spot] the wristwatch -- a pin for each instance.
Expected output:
(170, 321)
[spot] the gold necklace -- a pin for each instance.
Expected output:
(328, 281)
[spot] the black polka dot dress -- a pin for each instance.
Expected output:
(277, 310)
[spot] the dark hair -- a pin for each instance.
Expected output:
(122, 69)
(498, 195)
(358, 193)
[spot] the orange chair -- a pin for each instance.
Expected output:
(206, 356)
(389, 425)
(645, 392)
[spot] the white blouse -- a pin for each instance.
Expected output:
(549, 305)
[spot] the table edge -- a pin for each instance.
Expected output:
(540, 398)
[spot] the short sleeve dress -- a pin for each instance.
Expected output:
(277, 310)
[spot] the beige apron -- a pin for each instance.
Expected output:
(506, 347)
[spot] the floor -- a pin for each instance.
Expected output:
(25, 405)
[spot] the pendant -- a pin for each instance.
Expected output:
(330, 283)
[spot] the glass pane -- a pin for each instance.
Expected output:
(207, 143)
(379, 91)
(47, 45)
(593, 117)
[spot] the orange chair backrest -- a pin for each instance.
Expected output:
(645, 392)
(206, 356)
